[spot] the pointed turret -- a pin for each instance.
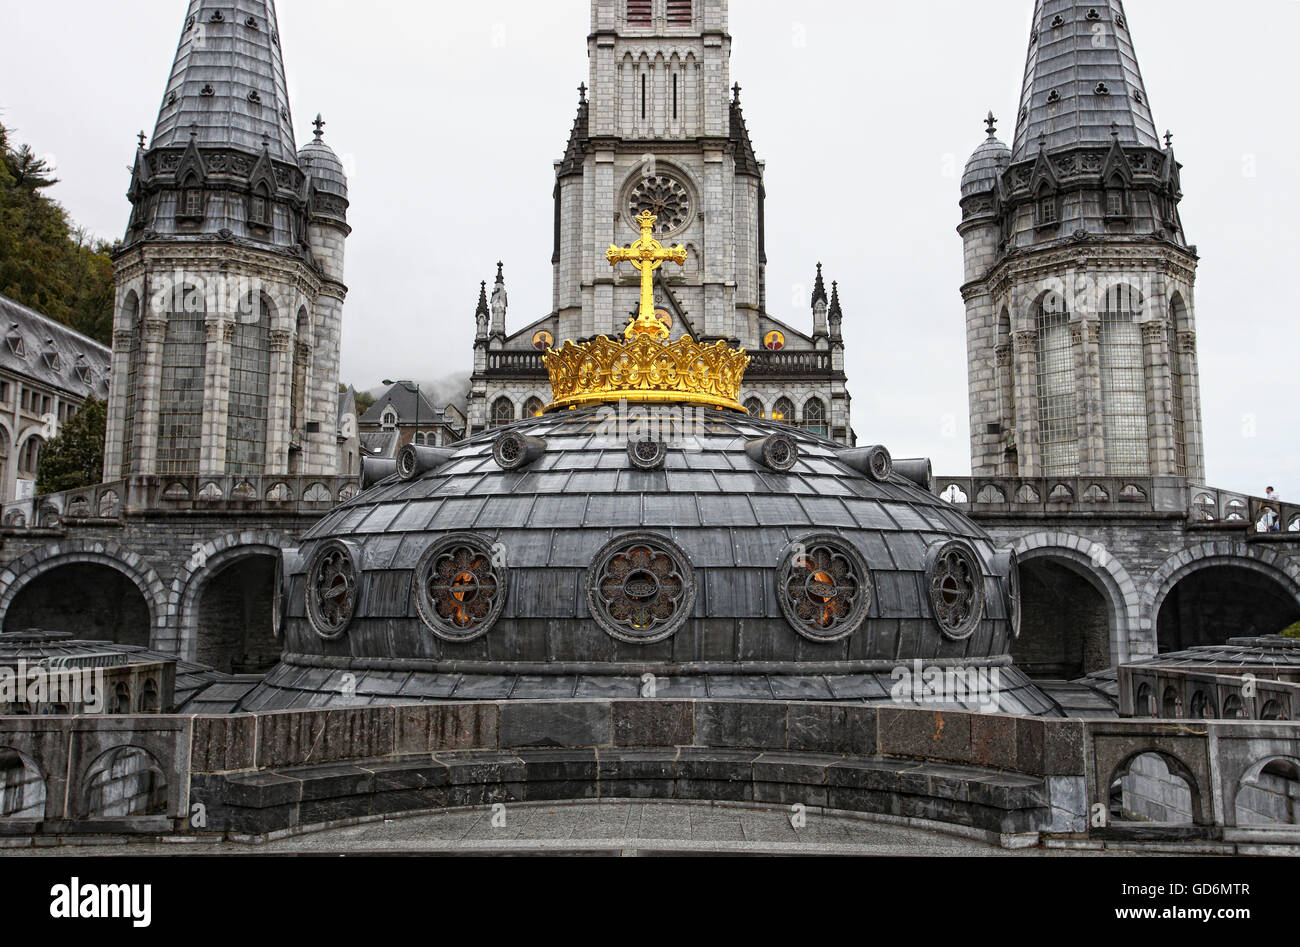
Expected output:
(1081, 77)
(227, 81)
(500, 302)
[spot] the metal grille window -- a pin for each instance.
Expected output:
(1047, 210)
(132, 366)
(814, 417)
(503, 412)
(1176, 317)
(1114, 202)
(180, 397)
(1058, 422)
(1124, 384)
(783, 411)
(250, 385)
(679, 12)
(754, 407)
(193, 203)
(638, 12)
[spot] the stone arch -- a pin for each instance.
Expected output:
(38, 562)
(23, 788)
(124, 782)
(1176, 768)
(1232, 553)
(1107, 575)
(1255, 804)
(208, 561)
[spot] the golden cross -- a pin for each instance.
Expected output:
(647, 255)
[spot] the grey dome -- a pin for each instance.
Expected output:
(736, 544)
(319, 161)
(985, 166)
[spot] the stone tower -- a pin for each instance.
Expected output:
(660, 128)
(1079, 285)
(229, 282)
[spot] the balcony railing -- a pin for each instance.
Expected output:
(142, 495)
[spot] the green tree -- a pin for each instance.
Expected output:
(45, 262)
(76, 457)
(1293, 631)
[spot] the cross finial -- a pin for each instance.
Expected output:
(320, 127)
(647, 255)
(194, 131)
(142, 138)
(1169, 139)
(992, 124)
(582, 92)
(736, 92)
(501, 274)
(1114, 131)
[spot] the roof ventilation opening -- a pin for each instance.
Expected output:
(414, 461)
(375, 470)
(1102, 89)
(777, 452)
(1054, 96)
(1058, 22)
(513, 451)
(875, 462)
(1093, 14)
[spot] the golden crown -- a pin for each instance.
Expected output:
(645, 367)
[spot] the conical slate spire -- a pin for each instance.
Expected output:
(1081, 77)
(227, 81)
(819, 287)
(835, 309)
(482, 309)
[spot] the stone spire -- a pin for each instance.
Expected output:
(1081, 77)
(819, 288)
(228, 82)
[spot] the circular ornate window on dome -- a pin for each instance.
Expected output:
(333, 584)
(459, 590)
(825, 590)
(956, 585)
(647, 454)
(664, 196)
(641, 588)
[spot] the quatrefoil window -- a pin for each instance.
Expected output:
(825, 590)
(956, 585)
(641, 589)
(665, 197)
(332, 590)
(459, 589)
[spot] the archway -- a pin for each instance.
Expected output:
(1213, 604)
(91, 600)
(1269, 794)
(230, 615)
(1154, 787)
(22, 788)
(1066, 621)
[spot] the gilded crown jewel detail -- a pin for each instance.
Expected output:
(645, 366)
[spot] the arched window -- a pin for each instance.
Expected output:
(180, 400)
(1123, 384)
(503, 412)
(131, 320)
(754, 407)
(1058, 422)
(250, 394)
(259, 207)
(1116, 198)
(4, 462)
(783, 411)
(1047, 210)
(534, 408)
(1177, 322)
(389, 419)
(298, 385)
(814, 417)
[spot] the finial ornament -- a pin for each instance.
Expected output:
(1169, 139)
(992, 124)
(142, 138)
(645, 367)
(647, 255)
(1114, 131)
(582, 93)
(320, 127)
(736, 93)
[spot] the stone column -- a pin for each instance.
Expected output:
(1192, 406)
(148, 393)
(279, 403)
(216, 396)
(1156, 359)
(114, 452)
(1004, 354)
(1084, 335)
(1026, 394)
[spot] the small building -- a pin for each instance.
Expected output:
(404, 415)
(47, 371)
(349, 440)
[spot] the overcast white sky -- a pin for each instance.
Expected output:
(449, 116)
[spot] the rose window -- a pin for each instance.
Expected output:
(641, 589)
(332, 590)
(825, 589)
(956, 590)
(460, 590)
(666, 198)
